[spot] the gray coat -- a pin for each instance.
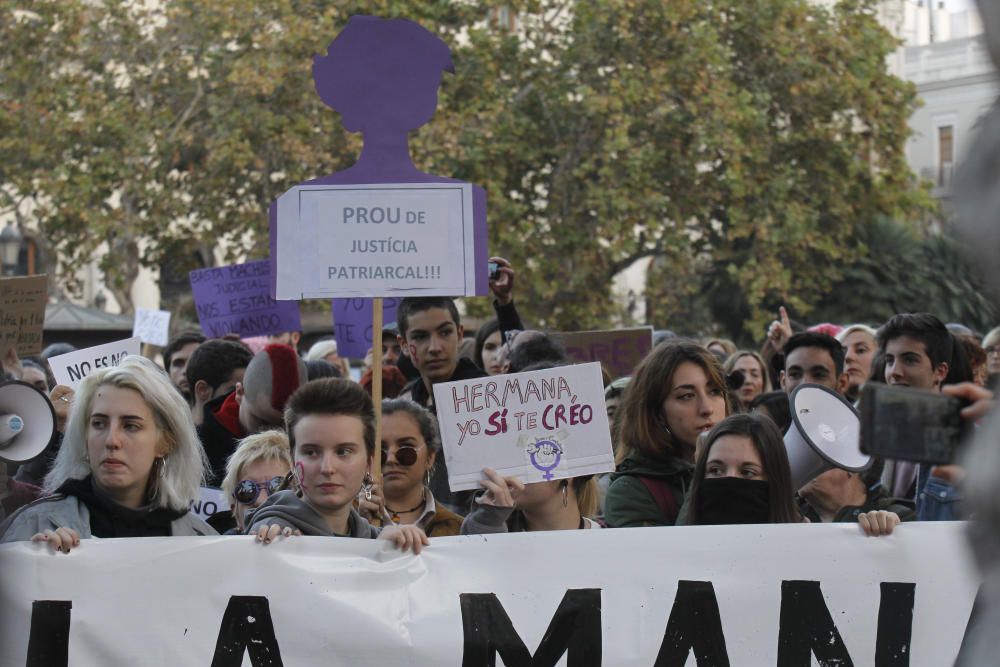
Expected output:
(287, 510)
(59, 511)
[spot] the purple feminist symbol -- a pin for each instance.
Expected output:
(545, 456)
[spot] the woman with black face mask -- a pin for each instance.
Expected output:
(742, 475)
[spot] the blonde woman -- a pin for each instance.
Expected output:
(130, 464)
(255, 470)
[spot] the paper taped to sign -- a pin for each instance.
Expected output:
(398, 239)
(69, 369)
(538, 426)
(740, 595)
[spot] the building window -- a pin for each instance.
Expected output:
(946, 154)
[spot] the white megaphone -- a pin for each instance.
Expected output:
(27, 422)
(825, 434)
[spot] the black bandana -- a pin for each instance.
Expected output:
(109, 519)
(725, 500)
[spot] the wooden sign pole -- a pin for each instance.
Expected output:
(377, 389)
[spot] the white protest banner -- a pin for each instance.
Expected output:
(636, 597)
(210, 501)
(70, 368)
(152, 326)
(538, 426)
(404, 239)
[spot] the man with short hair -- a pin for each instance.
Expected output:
(257, 403)
(176, 355)
(814, 358)
(917, 349)
(430, 331)
(918, 352)
(214, 370)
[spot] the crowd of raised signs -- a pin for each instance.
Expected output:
(289, 438)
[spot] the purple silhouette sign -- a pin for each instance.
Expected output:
(381, 227)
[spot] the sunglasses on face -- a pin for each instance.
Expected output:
(405, 456)
(247, 490)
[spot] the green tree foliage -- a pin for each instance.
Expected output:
(741, 140)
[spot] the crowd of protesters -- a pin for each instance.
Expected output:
(697, 430)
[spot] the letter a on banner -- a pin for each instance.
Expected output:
(247, 626)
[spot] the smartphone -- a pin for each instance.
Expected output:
(494, 268)
(911, 425)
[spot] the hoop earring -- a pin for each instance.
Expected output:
(564, 485)
(427, 478)
(162, 460)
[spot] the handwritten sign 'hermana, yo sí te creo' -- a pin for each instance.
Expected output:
(538, 426)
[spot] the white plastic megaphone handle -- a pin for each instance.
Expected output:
(10, 427)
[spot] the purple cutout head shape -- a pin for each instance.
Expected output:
(382, 74)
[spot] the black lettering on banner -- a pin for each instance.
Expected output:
(806, 628)
(694, 623)
(895, 624)
(575, 629)
(48, 639)
(247, 627)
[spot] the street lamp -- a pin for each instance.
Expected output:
(10, 248)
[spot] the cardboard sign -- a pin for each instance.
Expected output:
(22, 314)
(237, 299)
(788, 594)
(211, 501)
(619, 350)
(152, 326)
(352, 324)
(538, 426)
(69, 369)
(376, 240)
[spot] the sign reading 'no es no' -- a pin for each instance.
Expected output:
(376, 240)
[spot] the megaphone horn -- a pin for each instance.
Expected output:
(825, 434)
(27, 421)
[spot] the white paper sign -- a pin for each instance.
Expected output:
(69, 369)
(210, 501)
(408, 239)
(538, 426)
(742, 595)
(152, 326)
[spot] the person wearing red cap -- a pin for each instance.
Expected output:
(256, 404)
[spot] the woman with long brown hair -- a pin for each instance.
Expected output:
(677, 393)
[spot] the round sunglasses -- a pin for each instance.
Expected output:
(247, 490)
(405, 456)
